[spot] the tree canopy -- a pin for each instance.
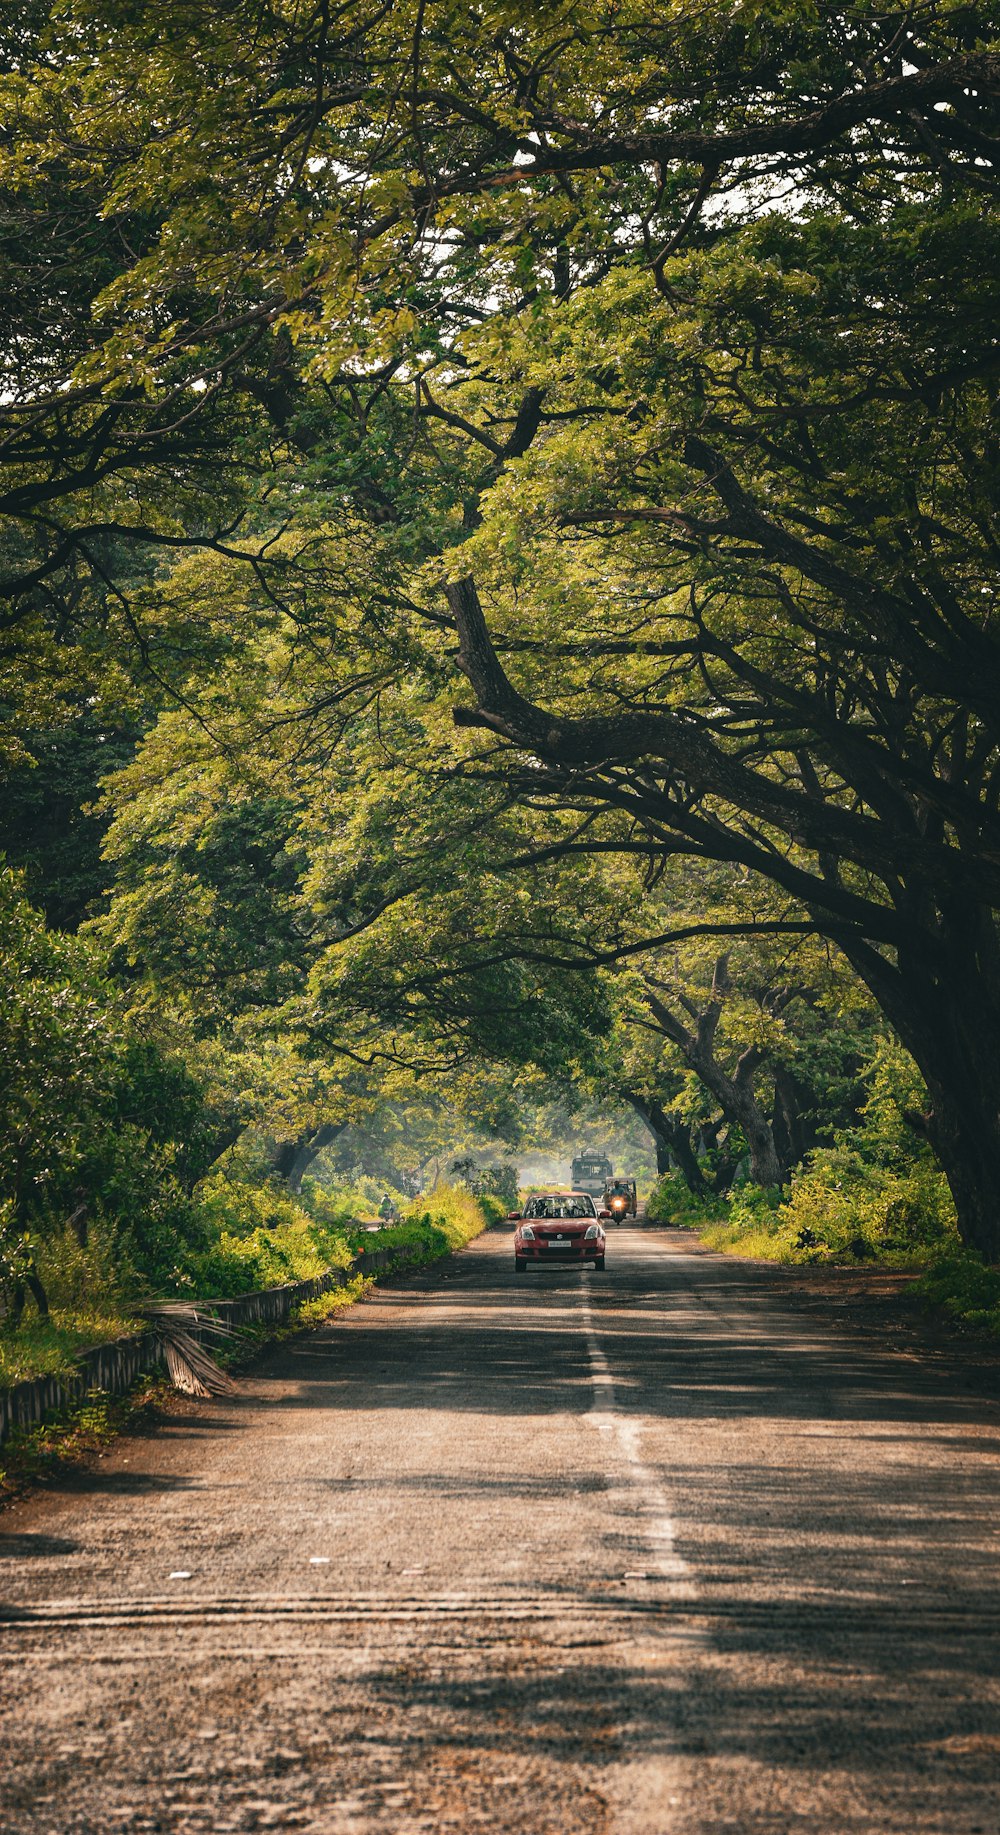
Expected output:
(517, 487)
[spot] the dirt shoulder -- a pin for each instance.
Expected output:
(879, 1303)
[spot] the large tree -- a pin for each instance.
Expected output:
(664, 347)
(794, 514)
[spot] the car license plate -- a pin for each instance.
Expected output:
(561, 1242)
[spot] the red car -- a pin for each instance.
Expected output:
(559, 1226)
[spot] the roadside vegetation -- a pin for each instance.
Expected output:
(875, 1197)
(853, 1221)
(248, 1240)
(508, 655)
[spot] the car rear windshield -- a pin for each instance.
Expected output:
(560, 1207)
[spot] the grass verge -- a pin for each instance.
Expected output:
(46, 1347)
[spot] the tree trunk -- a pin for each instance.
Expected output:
(766, 1168)
(724, 1162)
(294, 1158)
(77, 1219)
(225, 1138)
(944, 1002)
(792, 1139)
(967, 1143)
(960, 1065)
(687, 1160)
(734, 1094)
(672, 1138)
(32, 1281)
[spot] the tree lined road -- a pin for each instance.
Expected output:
(640, 1553)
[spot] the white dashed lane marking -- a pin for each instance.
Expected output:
(640, 1494)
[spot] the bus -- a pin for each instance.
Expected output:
(591, 1172)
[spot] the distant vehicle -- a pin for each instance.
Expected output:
(591, 1172)
(620, 1199)
(558, 1226)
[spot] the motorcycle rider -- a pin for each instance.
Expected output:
(618, 1198)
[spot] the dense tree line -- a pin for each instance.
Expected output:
(510, 492)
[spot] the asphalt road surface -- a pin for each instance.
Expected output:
(553, 1554)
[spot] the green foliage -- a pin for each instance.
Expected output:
(671, 1201)
(94, 1116)
(235, 1264)
(339, 1207)
(52, 834)
(964, 1286)
(448, 1209)
(315, 1311)
(842, 1206)
(95, 1276)
(876, 1195)
(260, 1237)
(242, 1209)
(498, 1181)
(256, 1237)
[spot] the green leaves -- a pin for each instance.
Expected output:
(672, 331)
(95, 1119)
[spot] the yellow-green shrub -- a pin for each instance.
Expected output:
(867, 1211)
(451, 1209)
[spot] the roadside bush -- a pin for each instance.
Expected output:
(239, 1208)
(418, 1239)
(754, 1222)
(445, 1219)
(338, 1207)
(256, 1236)
(260, 1237)
(964, 1286)
(671, 1201)
(453, 1211)
(841, 1209)
(96, 1121)
(854, 1208)
(877, 1194)
(241, 1264)
(87, 1275)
